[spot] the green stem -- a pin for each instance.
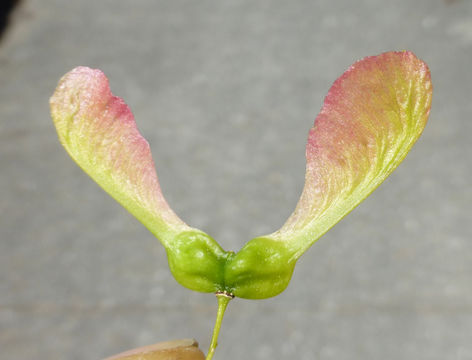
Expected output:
(223, 300)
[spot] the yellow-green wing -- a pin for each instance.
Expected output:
(99, 132)
(371, 117)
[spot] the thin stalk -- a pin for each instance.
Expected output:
(223, 300)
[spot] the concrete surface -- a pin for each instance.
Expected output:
(225, 91)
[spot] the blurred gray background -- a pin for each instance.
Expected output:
(225, 92)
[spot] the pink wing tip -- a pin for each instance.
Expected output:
(335, 125)
(83, 80)
(84, 75)
(82, 71)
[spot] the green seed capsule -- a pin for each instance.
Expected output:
(261, 269)
(197, 261)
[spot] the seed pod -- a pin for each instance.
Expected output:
(371, 117)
